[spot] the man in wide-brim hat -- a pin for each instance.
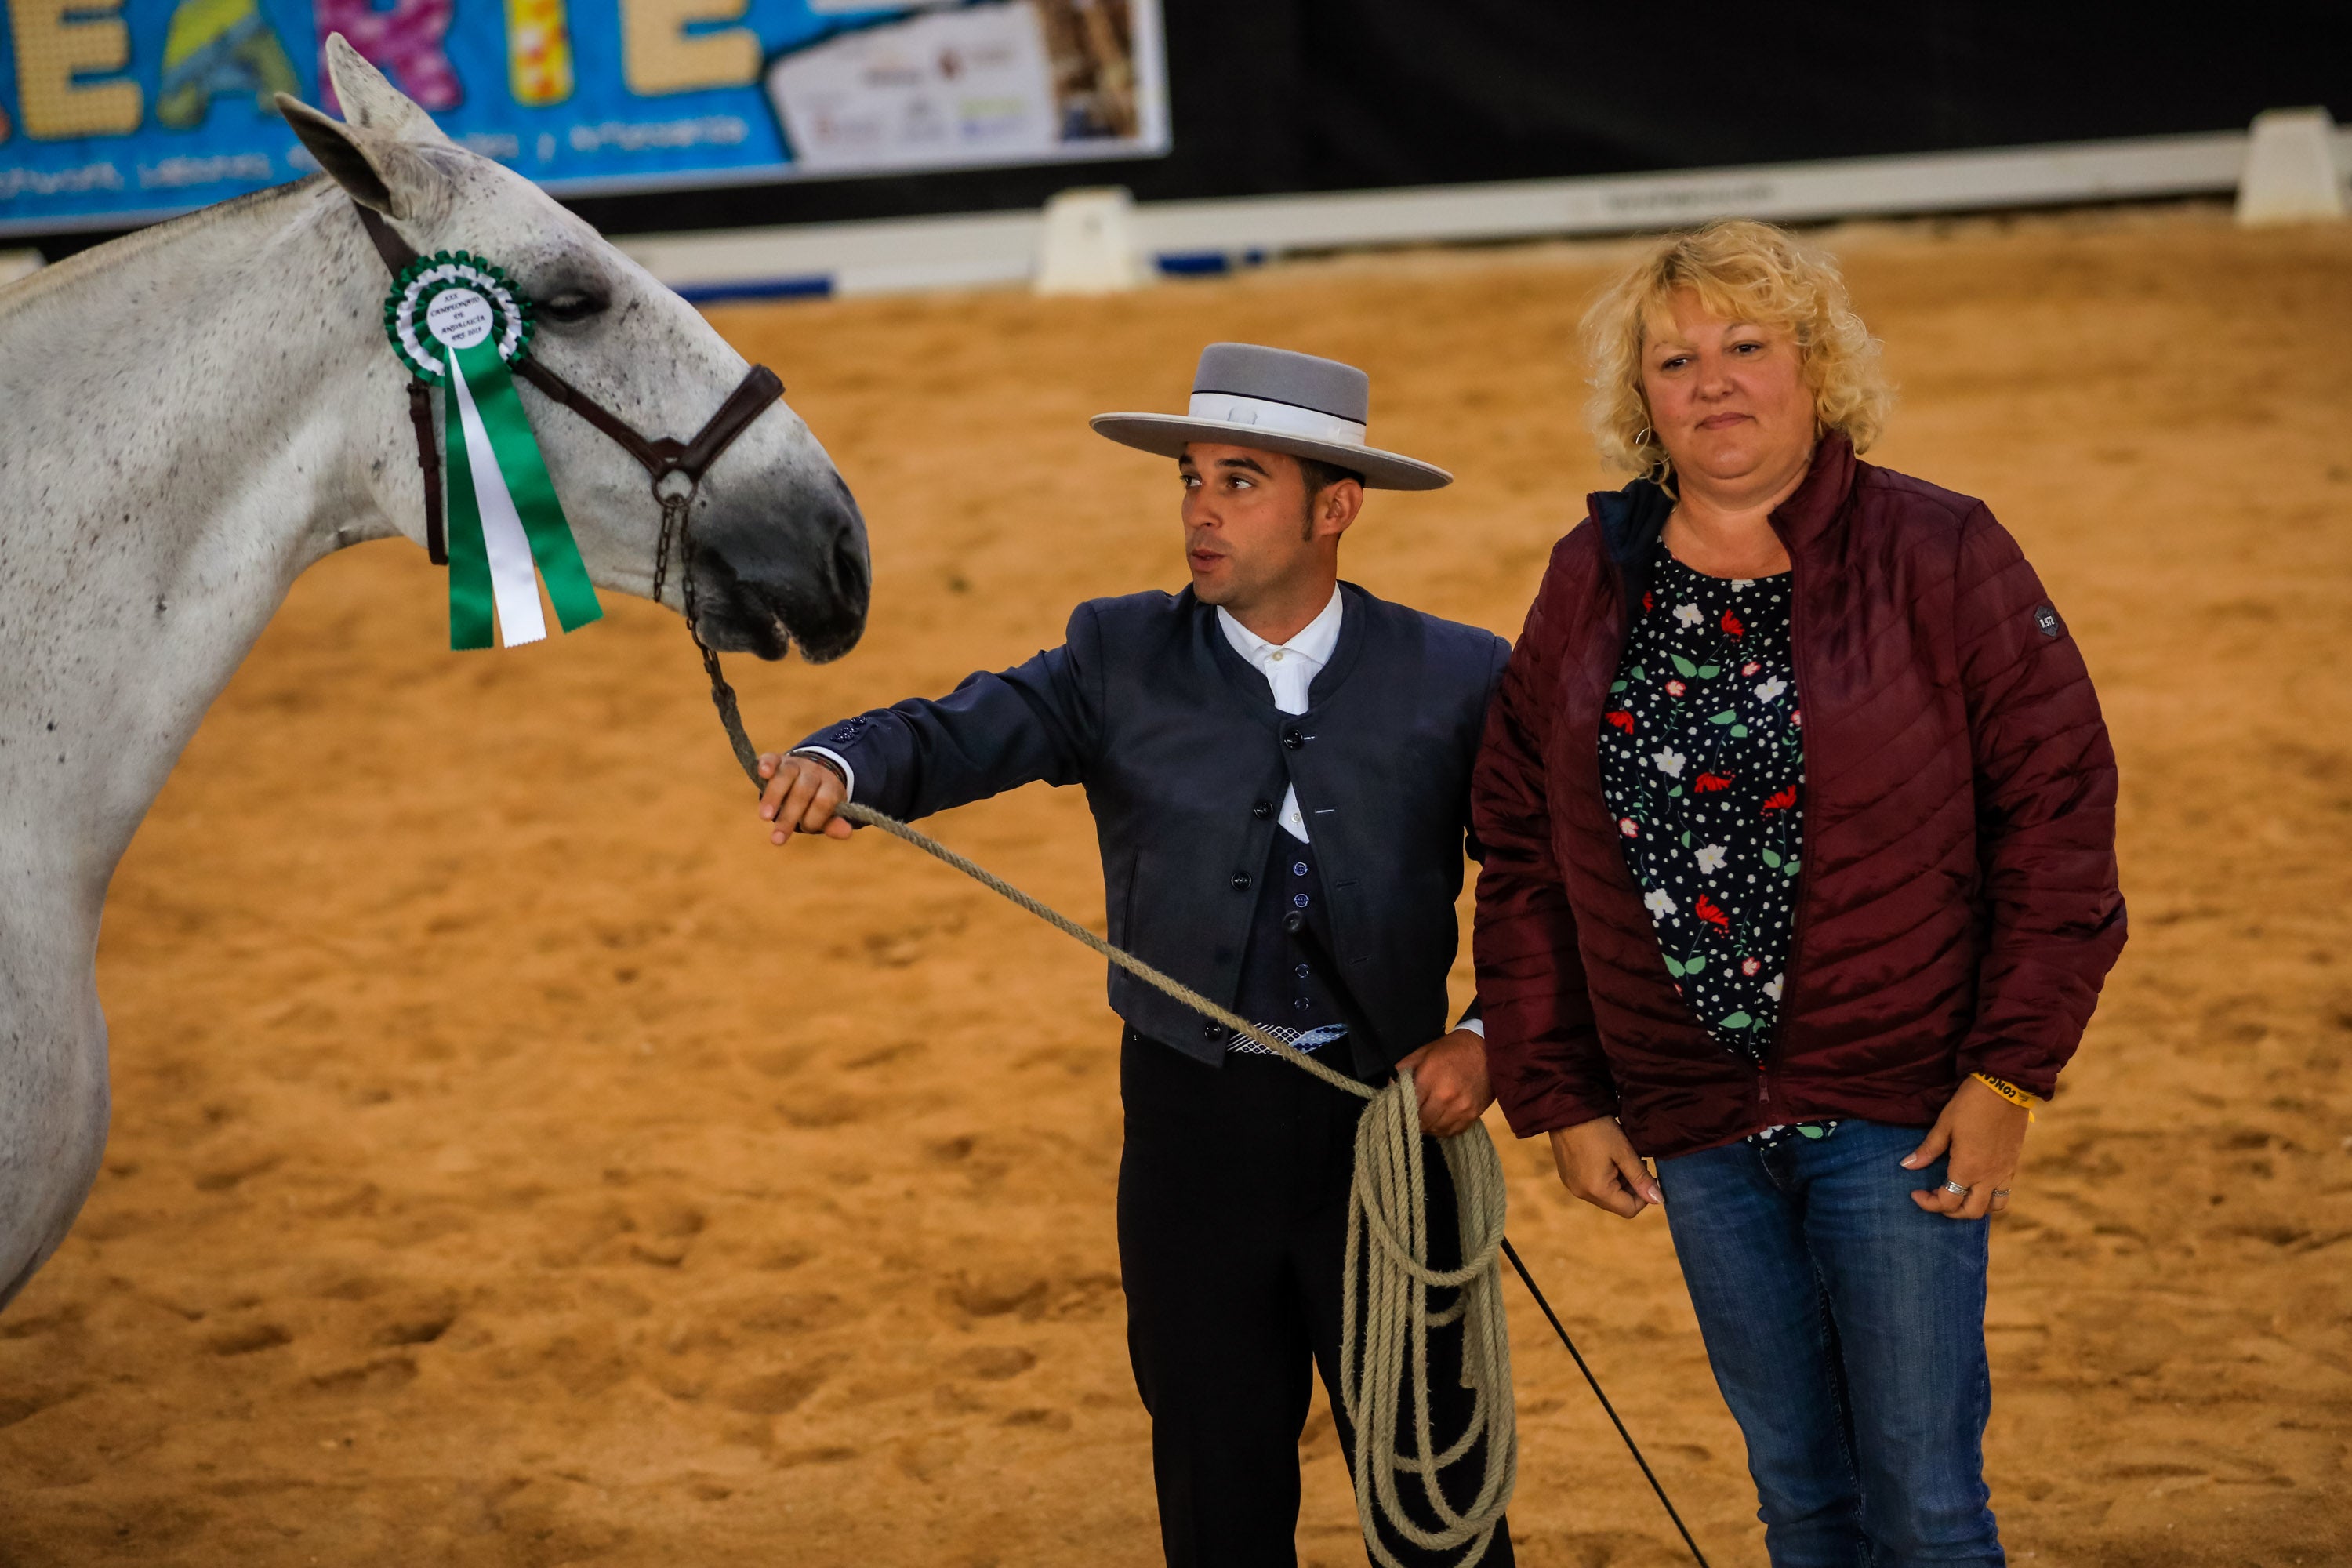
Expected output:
(1270, 740)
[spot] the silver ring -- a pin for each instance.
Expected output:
(2001, 1192)
(1955, 1187)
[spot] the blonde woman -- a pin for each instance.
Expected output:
(1800, 881)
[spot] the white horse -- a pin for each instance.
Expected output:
(191, 416)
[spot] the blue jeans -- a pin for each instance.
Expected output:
(1846, 1329)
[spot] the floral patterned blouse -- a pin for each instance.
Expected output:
(1703, 765)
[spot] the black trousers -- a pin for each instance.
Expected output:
(1232, 1214)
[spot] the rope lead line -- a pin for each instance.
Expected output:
(1385, 1205)
(1386, 1202)
(1385, 1313)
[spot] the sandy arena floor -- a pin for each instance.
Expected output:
(515, 1161)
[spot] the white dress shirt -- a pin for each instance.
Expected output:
(1290, 669)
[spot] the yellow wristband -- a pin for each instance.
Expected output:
(2008, 1091)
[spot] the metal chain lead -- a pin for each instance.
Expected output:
(676, 506)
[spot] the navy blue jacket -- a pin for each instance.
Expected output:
(1184, 757)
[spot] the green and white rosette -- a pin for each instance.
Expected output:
(459, 324)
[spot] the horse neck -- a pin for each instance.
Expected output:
(195, 415)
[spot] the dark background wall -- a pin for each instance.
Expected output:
(1271, 95)
(1303, 95)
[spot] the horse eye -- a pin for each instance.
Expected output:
(573, 306)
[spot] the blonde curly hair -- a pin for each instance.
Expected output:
(1741, 271)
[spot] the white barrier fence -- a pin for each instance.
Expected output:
(998, 248)
(986, 250)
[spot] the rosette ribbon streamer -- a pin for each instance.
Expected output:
(459, 323)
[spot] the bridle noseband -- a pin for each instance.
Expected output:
(675, 468)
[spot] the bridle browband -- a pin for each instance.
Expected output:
(665, 459)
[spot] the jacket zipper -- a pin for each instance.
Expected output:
(1804, 862)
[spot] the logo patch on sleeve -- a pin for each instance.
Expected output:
(2046, 622)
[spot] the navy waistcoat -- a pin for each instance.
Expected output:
(1278, 986)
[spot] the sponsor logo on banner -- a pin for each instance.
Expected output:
(126, 110)
(968, 86)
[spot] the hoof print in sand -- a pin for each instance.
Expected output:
(994, 1296)
(379, 1376)
(994, 1363)
(921, 1459)
(776, 1393)
(247, 1338)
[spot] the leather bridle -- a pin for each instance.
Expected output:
(675, 468)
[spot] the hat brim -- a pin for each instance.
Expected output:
(1168, 434)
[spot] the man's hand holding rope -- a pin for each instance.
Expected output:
(1449, 1080)
(803, 793)
(802, 796)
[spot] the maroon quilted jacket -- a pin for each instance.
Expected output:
(1958, 906)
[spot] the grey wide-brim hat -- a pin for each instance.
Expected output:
(1277, 401)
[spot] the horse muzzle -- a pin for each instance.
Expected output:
(765, 586)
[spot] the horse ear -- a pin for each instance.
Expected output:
(375, 171)
(370, 102)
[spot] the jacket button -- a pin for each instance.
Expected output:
(1241, 883)
(1261, 810)
(1212, 1031)
(1293, 737)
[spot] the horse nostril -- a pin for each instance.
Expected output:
(849, 567)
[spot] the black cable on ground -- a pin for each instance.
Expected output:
(1318, 958)
(1633, 1447)
(1311, 948)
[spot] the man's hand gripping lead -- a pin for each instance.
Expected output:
(802, 796)
(1449, 1081)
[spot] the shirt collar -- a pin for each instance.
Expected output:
(1315, 640)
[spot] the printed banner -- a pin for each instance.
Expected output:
(128, 110)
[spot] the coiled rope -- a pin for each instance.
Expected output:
(1385, 1204)
(1387, 1313)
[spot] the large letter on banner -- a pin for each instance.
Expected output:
(658, 55)
(539, 52)
(405, 43)
(51, 51)
(216, 47)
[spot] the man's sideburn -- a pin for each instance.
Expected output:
(1315, 478)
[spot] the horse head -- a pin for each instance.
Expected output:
(780, 549)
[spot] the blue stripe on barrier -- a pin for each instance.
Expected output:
(1194, 263)
(820, 285)
(817, 286)
(1206, 263)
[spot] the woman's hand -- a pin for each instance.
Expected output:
(1984, 1134)
(1597, 1162)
